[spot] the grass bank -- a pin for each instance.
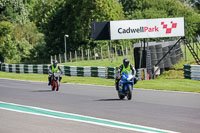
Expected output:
(185, 85)
(65, 79)
(158, 84)
(116, 62)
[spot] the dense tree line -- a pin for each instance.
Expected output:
(32, 30)
(20, 39)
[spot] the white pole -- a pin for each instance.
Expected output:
(65, 47)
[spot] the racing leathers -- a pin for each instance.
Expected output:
(53, 69)
(122, 69)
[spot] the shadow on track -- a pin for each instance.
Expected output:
(107, 100)
(42, 91)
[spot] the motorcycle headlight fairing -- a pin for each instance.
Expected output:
(129, 78)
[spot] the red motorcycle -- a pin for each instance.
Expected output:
(55, 81)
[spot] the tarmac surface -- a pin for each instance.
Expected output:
(167, 110)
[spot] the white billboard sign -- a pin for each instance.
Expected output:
(147, 28)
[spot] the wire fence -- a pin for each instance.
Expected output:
(94, 54)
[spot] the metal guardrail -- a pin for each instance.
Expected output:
(192, 72)
(102, 72)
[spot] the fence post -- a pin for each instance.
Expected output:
(82, 54)
(70, 53)
(95, 54)
(122, 50)
(55, 57)
(101, 54)
(51, 60)
(60, 58)
(88, 54)
(108, 53)
(131, 52)
(76, 55)
(116, 52)
(126, 51)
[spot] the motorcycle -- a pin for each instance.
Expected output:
(55, 81)
(125, 85)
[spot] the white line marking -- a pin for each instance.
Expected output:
(90, 122)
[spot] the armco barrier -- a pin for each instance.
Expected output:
(192, 72)
(111, 72)
(85, 71)
(103, 72)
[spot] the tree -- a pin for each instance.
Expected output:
(74, 18)
(19, 37)
(40, 9)
(196, 5)
(14, 11)
(8, 49)
(145, 9)
(30, 39)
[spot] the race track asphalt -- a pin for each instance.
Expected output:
(168, 110)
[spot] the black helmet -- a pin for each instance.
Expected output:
(55, 62)
(126, 62)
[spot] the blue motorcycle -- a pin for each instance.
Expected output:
(125, 85)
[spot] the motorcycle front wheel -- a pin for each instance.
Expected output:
(129, 95)
(121, 96)
(57, 86)
(53, 85)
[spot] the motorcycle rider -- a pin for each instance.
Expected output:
(126, 66)
(54, 68)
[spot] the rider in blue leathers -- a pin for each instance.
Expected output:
(125, 66)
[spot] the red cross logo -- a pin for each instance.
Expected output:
(169, 30)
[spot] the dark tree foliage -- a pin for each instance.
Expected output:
(32, 30)
(74, 19)
(145, 9)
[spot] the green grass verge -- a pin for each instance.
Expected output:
(185, 85)
(116, 62)
(65, 79)
(158, 84)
